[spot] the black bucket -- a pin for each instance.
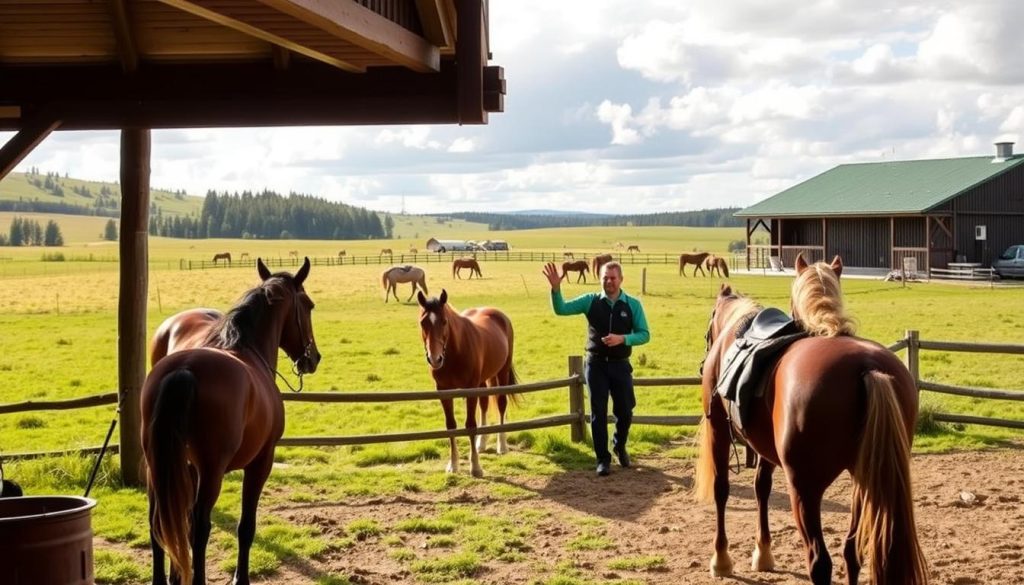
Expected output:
(46, 539)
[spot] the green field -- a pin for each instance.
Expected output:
(58, 331)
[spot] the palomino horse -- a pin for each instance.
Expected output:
(222, 256)
(717, 264)
(386, 252)
(293, 254)
(575, 266)
(633, 248)
(459, 263)
(471, 349)
(413, 250)
(392, 277)
(697, 259)
(832, 402)
(215, 408)
(185, 330)
(243, 257)
(599, 261)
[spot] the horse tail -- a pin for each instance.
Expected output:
(169, 479)
(882, 490)
(384, 279)
(704, 470)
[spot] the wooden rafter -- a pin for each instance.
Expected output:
(471, 58)
(362, 27)
(126, 49)
(438, 20)
(21, 144)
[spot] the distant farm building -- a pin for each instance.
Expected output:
(875, 215)
(501, 245)
(435, 245)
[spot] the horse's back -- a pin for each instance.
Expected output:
(184, 330)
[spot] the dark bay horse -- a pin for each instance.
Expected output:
(597, 262)
(471, 349)
(459, 263)
(575, 266)
(185, 330)
(833, 402)
(696, 258)
(392, 277)
(214, 408)
(222, 256)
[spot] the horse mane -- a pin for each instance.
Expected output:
(818, 302)
(740, 309)
(239, 325)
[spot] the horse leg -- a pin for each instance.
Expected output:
(850, 555)
(481, 440)
(256, 474)
(806, 505)
(474, 454)
(206, 496)
(159, 574)
(721, 561)
(453, 447)
(412, 293)
(502, 439)
(763, 560)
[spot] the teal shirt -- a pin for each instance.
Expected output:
(580, 305)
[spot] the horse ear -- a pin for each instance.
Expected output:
(837, 266)
(303, 272)
(800, 263)
(444, 296)
(422, 299)
(725, 290)
(262, 269)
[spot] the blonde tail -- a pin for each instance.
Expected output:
(704, 470)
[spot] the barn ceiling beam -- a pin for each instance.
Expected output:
(365, 28)
(21, 144)
(126, 49)
(438, 20)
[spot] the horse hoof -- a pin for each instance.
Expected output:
(452, 468)
(478, 472)
(762, 559)
(721, 565)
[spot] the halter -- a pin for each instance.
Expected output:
(306, 352)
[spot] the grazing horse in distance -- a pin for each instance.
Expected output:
(471, 349)
(386, 252)
(222, 256)
(619, 245)
(413, 250)
(697, 259)
(633, 248)
(215, 408)
(568, 255)
(831, 403)
(717, 264)
(293, 254)
(392, 277)
(341, 254)
(579, 266)
(459, 263)
(243, 257)
(599, 261)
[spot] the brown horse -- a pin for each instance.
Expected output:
(243, 257)
(341, 253)
(633, 248)
(185, 330)
(599, 261)
(831, 403)
(717, 264)
(222, 256)
(579, 266)
(459, 263)
(392, 277)
(215, 408)
(697, 259)
(471, 349)
(386, 252)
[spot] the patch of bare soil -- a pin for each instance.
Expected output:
(969, 515)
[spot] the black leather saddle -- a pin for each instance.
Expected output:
(749, 362)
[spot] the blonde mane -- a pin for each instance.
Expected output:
(818, 302)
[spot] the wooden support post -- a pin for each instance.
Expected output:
(577, 400)
(131, 310)
(914, 356)
(643, 281)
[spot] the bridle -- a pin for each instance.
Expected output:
(307, 351)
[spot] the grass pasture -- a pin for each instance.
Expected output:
(58, 332)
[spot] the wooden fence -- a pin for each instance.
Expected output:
(576, 418)
(428, 258)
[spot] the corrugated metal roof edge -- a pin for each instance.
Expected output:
(1017, 160)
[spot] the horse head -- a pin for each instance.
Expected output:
(434, 327)
(817, 298)
(297, 339)
(730, 308)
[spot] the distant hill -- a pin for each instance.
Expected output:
(556, 212)
(521, 220)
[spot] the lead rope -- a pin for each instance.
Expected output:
(103, 449)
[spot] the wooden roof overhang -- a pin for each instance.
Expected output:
(136, 65)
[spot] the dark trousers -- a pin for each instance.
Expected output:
(604, 379)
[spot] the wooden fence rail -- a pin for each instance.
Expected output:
(577, 418)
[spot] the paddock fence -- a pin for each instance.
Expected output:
(576, 418)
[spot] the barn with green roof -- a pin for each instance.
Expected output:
(876, 214)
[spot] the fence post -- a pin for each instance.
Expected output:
(914, 355)
(576, 400)
(643, 280)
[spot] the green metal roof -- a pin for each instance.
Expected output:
(882, 188)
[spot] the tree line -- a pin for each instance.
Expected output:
(508, 221)
(28, 232)
(269, 215)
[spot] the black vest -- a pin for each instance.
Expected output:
(603, 319)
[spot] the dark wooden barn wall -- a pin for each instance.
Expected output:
(861, 241)
(999, 206)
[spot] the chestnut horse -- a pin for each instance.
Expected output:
(575, 266)
(633, 248)
(717, 264)
(599, 261)
(215, 408)
(392, 277)
(222, 256)
(471, 349)
(459, 263)
(832, 402)
(697, 259)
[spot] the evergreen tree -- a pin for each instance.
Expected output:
(110, 231)
(53, 236)
(17, 235)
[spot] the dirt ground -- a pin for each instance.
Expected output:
(969, 510)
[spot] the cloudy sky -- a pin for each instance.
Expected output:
(646, 106)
